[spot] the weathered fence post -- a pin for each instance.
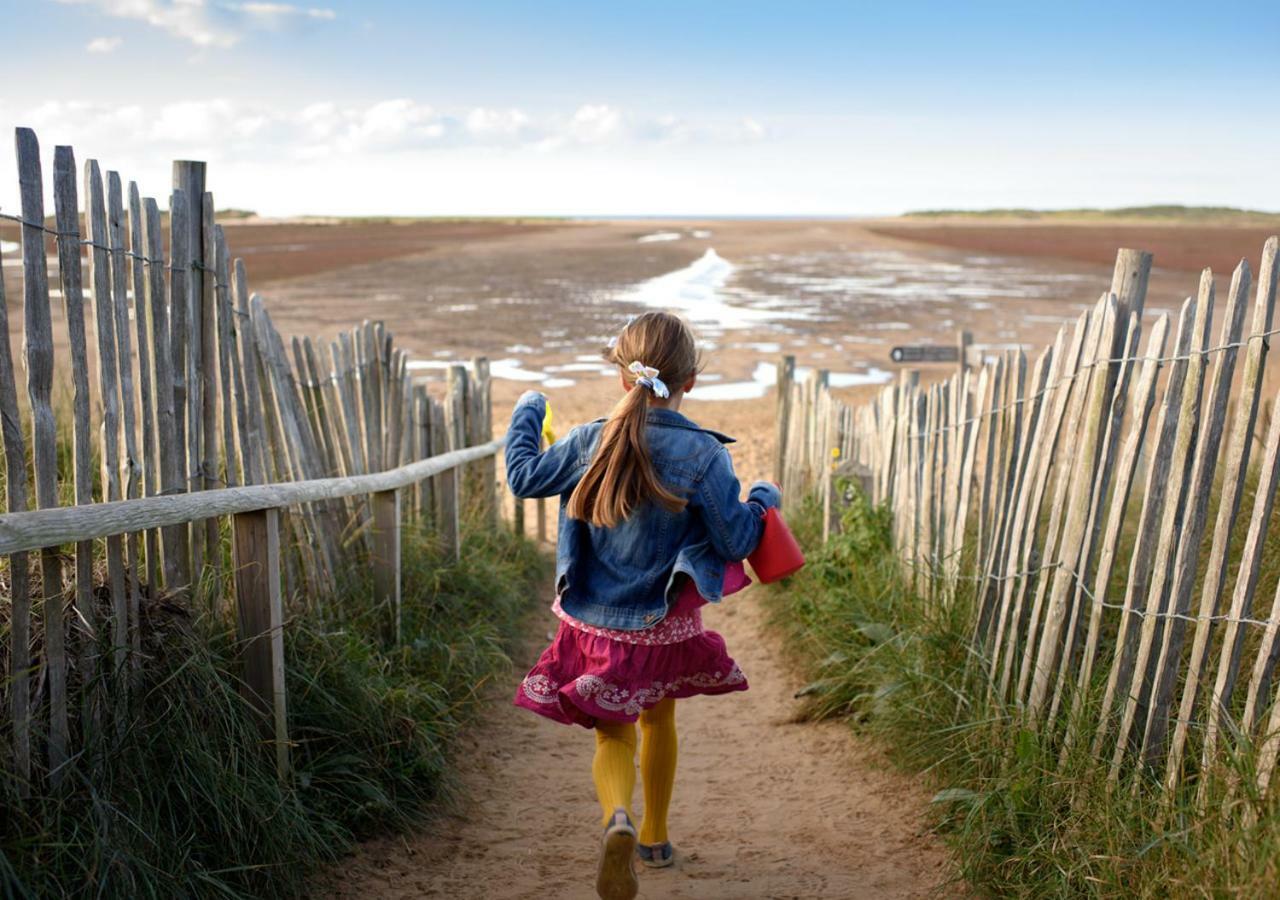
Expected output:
(71, 279)
(422, 414)
(141, 287)
(131, 465)
(188, 344)
(786, 378)
(441, 490)
(179, 447)
(964, 344)
(481, 432)
(15, 461)
(38, 352)
(204, 300)
(108, 396)
(260, 616)
(455, 420)
(386, 556)
(172, 538)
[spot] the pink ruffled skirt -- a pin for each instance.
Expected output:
(590, 673)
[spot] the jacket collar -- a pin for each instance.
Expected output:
(669, 417)
(672, 419)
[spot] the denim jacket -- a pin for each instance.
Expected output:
(627, 576)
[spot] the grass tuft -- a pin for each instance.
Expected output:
(181, 798)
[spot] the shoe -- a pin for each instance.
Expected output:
(616, 876)
(656, 856)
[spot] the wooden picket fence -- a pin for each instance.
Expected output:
(1104, 612)
(183, 392)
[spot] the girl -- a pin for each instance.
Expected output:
(651, 528)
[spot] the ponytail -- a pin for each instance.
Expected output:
(621, 475)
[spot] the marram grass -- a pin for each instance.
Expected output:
(180, 799)
(1022, 816)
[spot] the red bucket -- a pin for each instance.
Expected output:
(778, 554)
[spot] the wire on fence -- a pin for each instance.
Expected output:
(1067, 379)
(89, 242)
(934, 571)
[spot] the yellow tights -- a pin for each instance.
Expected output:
(614, 767)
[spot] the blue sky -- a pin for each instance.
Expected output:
(685, 108)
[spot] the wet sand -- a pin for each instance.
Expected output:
(542, 302)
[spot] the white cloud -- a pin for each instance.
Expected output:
(193, 122)
(326, 128)
(403, 156)
(215, 25)
(103, 44)
(498, 123)
(86, 123)
(594, 123)
(274, 15)
(600, 124)
(190, 20)
(245, 141)
(392, 125)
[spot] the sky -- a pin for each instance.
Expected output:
(658, 108)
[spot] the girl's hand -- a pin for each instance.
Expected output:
(766, 493)
(535, 470)
(536, 398)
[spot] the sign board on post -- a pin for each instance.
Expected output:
(925, 353)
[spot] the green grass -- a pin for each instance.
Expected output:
(182, 799)
(1022, 817)
(1156, 214)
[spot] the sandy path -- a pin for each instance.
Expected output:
(763, 808)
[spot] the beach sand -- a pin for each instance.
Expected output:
(764, 807)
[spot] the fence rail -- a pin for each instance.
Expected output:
(1101, 543)
(187, 406)
(21, 532)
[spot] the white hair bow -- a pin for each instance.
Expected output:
(648, 376)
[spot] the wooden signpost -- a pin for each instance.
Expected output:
(926, 353)
(960, 352)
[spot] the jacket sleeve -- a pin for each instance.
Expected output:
(532, 471)
(735, 527)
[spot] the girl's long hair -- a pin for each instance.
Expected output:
(621, 475)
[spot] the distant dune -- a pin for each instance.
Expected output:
(1187, 243)
(1164, 214)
